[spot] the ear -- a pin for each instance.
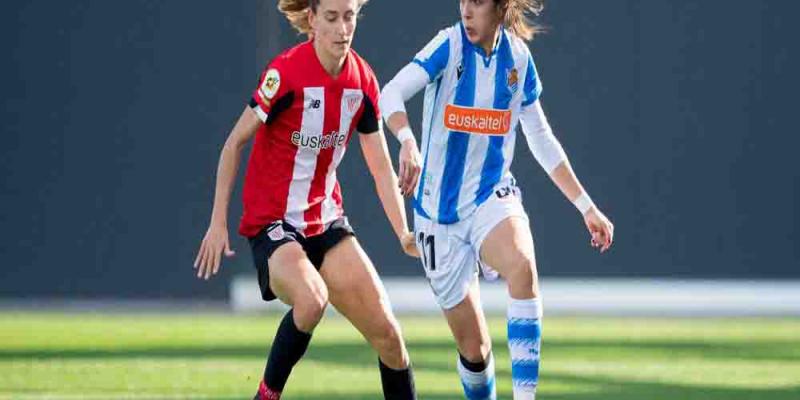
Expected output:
(312, 20)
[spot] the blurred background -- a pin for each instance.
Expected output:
(678, 116)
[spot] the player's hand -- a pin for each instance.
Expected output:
(209, 258)
(409, 244)
(410, 168)
(601, 229)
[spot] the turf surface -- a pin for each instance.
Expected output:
(212, 356)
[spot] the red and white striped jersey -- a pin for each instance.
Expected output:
(308, 118)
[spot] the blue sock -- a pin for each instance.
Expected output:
(524, 341)
(478, 383)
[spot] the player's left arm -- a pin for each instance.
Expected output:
(551, 156)
(548, 152)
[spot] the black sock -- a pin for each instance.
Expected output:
(479, 366)
(288, 347)
(398, 384)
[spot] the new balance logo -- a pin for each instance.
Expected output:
(314, 104)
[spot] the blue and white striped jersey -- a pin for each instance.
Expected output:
(471, 110)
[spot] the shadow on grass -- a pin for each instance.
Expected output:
(373, 396)
(776, 350)
(439, 356)
(617, 389)
(350, 396)
(359, 353)
(603, 389)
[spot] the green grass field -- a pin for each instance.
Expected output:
(201, 356)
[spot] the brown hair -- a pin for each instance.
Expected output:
(518, 15)
(296, 11)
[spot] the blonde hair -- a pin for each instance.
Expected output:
(296, 11)
(517, 16)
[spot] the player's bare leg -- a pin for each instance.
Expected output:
(357, 292)
(509, 250)
(294, 281)
(475, 361)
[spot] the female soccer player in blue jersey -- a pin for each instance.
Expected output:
(480, 83)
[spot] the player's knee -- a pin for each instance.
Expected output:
(310, 308)
(388, 342)
(388, 335)
(522, 280)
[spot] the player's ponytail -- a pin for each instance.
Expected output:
(296, 11)
(517, 16)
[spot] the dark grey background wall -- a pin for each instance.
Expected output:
(678, 115)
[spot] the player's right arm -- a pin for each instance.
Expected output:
(216, 241)
(427, 66)
(267, 101)
(410, 80)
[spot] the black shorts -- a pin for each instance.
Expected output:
(279, 233)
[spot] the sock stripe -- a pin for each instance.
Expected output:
(525, 330)
(265, 393)
(525, 373)
(523, 352)
(531, 308)
(524, 393)
(479, 392)
(478, 385)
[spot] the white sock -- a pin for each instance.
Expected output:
(524, 341)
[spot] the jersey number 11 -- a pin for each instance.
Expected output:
(428, 250)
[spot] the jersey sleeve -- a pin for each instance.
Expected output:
(532, 88)
(370, 121)
(410, 80)
(433, 58)
(273, 93)
(544, 146)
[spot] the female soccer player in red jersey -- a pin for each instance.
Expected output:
(309, 101)
(481, 83)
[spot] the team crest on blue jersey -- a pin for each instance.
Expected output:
(513, 80)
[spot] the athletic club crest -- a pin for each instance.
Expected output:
(352, 104)
(513, 80)
(276, 232)
(352, 101)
